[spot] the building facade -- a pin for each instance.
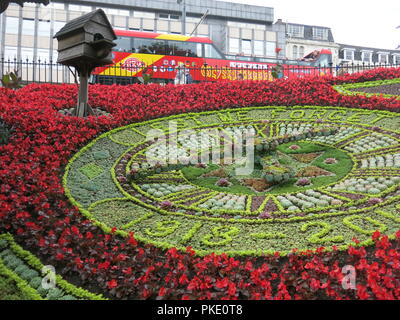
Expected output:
(236, 29)
(303, 39)
(349, 55)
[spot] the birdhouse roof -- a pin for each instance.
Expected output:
(80, 23)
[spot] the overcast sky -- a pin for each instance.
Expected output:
(369, 23)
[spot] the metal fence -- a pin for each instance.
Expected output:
(51, 72)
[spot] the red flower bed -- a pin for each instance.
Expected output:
(34, 208)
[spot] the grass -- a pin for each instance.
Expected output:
(305, 147)
(194, 175)
(340, 170)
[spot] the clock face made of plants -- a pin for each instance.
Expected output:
(317, 176)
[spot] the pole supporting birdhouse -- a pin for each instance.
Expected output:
(86, 43)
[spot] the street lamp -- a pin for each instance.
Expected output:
(183, 2)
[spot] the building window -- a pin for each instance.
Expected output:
(42, 55)
(192, 19)
(44, 28)
(271, 49)
(55, 55)
(320, 33)
(246, 47)
(396, 59)
(27, 54)
(234, 45)
(295, 31)
(28, 27)
(295, 52)
(12, 25)
(383, 58)
(168, 16)
(58, 25)
(259, 48)
(142, 14)
(366, 56)
(56, 5)
(10, 53)
(211, 52)
(301, 52)
(73, 7)
(348, 54)
(246, 25)
(116, 12)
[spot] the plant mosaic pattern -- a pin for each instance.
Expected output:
(321, 178)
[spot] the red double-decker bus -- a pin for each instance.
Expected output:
(167, 57)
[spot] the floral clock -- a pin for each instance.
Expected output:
(321, 176)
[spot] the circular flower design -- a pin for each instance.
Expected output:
(181, 181)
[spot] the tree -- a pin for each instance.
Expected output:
(4, 3)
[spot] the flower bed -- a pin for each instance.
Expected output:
(386, 88)
(34, 207)
(331, 208)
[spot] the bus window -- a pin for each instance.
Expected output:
(149, 46)
(123, 44)
(211, 52)
(184, 49)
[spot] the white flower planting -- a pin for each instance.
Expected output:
(370, 142)
(344, 133)
(371, 185)
(384, 161)
(306, 200)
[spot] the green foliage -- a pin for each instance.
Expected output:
(305, 147)
(276, 71)
(5, 132)
(36, 282)
(265, 224)
(21, 269)
(54, 294)
(11, 80)
(344, 88)
(12, 261)
(67, 297)
(29, 274)
(3, 245)
(146, 77)
(9, 290)
(220, 236)
(42, 291)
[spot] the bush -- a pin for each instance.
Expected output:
(36, 283)
(29, 274)
(54, 294)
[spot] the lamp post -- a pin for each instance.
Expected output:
(183, 3)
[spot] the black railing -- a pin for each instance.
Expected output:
(128, 73)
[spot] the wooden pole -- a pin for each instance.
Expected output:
(83, 109)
